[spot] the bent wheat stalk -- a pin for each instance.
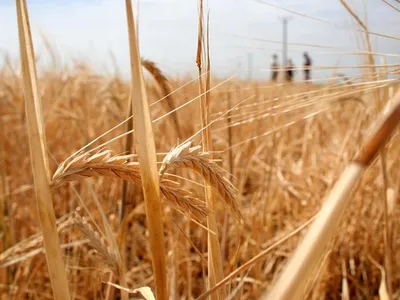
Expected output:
(162, 81)
(292, 281)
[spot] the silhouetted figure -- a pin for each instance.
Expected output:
(275, 68)
(307, 66)
(289, 71)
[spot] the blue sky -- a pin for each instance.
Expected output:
(91, 29)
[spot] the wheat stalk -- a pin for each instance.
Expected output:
(105, 164)
(147, 159)
(292, 281)
(162, 81)
(40, 167)
(215, 268)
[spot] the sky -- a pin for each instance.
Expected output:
(244, 34)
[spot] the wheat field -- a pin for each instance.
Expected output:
(243, 169)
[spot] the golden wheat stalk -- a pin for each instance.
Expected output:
(183, 156)
(215, 268)
(146, 150)
(292, 281)
(105, 164)
(40, 169)
(128, 149)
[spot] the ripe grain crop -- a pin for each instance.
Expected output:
(197, 187)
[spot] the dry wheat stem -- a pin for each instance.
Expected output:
(291, 282)
(128, 148)
(255, 259)
(145, 147)
(388, 259)
(39, 160)
(215, 269)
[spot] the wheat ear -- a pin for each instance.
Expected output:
(103, 163)
(162, 81)
(183, 156)
(97, 242)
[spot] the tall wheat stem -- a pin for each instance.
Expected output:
(40, 168)
(145, 148)
(292, 281)
(215, 270)
(371, 61)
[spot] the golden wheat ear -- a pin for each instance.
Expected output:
(183, 156)
(97, 242)
(104, 163)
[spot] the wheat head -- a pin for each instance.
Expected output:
(104, 163)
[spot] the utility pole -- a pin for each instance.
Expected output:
(284, 41)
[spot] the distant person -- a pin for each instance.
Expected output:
(275, 68)
(307, 66)
(290, 71)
